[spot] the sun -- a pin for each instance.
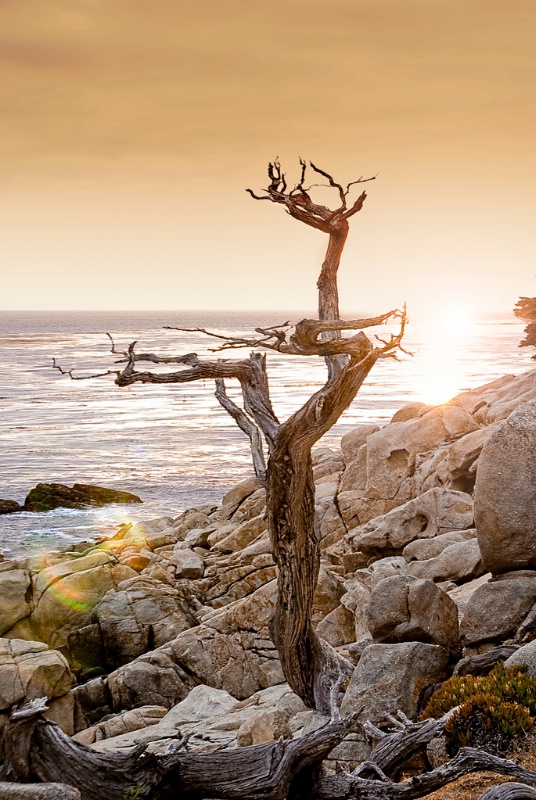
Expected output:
(440, 365)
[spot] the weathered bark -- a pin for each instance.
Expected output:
(37, 750)
(509, 791)
(482, 663)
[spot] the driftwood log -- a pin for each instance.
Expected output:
(37, 750)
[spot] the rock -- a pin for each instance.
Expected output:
(187, 563)
(201, 719)
(424, 549)
(431, 514)
(118, 724)
(14, 586)
(410, 411)
(338, 627)
(496, 610)
(9, 507)
(38, 791)
(462, 594)
(152, 679)
(352, 441)
(355, 600)
(29, 670)
(496, 400)
(232, 650)
(142, 615)
(329, 527)
(392, 451)
(242, 536)
(328, 593)
(458, 561)
(68, 601)
(505, 494)
(525, 655)
(354, 477)
(47, 496)
(267, 726)
(406, 609)
(391, 677)
(235, 496)
(463, 457)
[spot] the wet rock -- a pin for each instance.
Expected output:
(9, 507)
(47, 496)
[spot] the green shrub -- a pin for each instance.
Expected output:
(492, 709)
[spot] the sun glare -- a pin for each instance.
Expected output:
(440, 362)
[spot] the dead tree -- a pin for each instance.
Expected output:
(311, 667)
(36, 749)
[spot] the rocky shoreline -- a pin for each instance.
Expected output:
(428, 539)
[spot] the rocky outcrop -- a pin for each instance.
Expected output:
(167, 623)
(47, 496)
(505, 494)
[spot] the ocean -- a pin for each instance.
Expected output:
(174, 445)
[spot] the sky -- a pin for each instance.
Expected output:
(130, 130)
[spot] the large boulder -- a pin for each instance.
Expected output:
(47, 496)
(392, 677)
(392, 456)
(141, 615)
(505, 494)
(431, 514)
(67, 594)
(407, 609)
(497, 609)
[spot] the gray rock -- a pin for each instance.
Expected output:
(29, 670)
(390, 677)
(424, 549)
(525, 655)
(187, 563)
(496, 610)
(505, 494)
(406, 609)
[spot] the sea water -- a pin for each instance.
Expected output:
(174, 445)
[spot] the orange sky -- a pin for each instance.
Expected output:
(130, 129)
